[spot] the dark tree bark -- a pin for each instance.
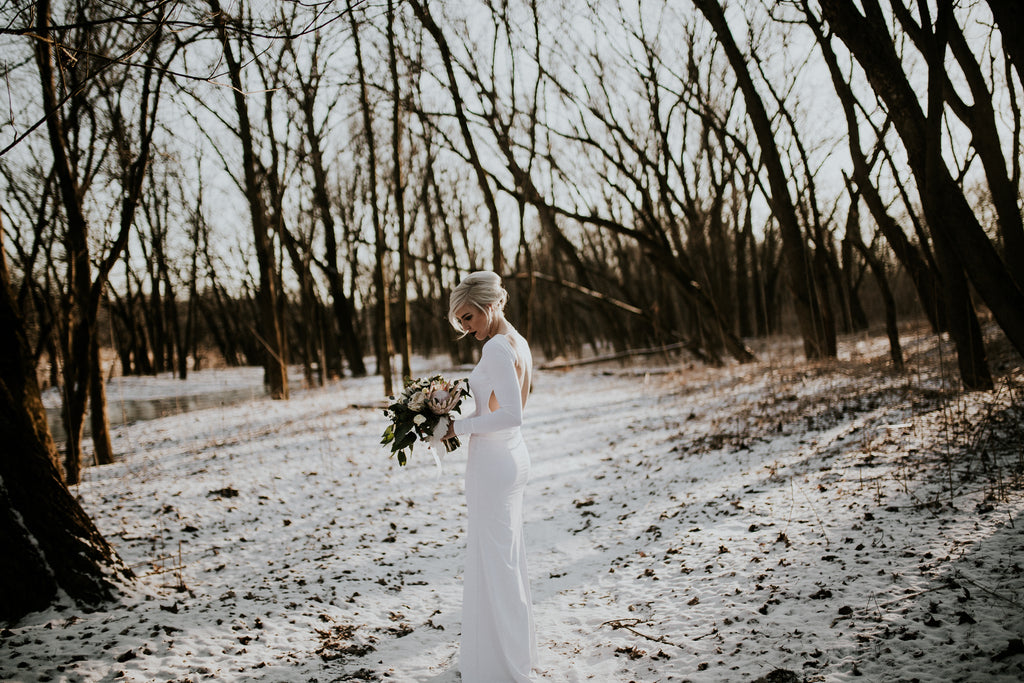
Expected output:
(800, 274)
(948, 213)
(910, 256)
(50, 544)
(743, 317)
(878, 270)
(84, 292)
(398, 185)
(427, 19)
(188, 344)
(99, 421)
(757, 280)
(852, 279)
(344, 315)
(964, 325)
(306, 326)
(1009, 16)
(382, 324)
(268, 292)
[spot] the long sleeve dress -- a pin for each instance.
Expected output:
(498, 639)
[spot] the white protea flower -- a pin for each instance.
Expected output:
(444, 398)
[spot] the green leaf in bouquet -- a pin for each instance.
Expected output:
(401, 458)
(405, 441)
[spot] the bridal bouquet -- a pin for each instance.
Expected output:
(422, 412)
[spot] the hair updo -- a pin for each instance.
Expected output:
(481, 290)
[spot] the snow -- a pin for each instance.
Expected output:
(684, 524)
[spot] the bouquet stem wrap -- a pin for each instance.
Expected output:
(437, 446)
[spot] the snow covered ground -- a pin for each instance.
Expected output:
(685, 524)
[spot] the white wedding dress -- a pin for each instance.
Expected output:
(498, 640)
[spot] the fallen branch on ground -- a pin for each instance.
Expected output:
(566, 364)
(621, 623)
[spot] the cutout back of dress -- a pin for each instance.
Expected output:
(524, 370)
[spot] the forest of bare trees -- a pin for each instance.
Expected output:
(295, 183)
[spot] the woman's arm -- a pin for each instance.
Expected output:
(498, 361)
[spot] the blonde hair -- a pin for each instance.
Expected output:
(481, 290)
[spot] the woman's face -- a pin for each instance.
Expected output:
(473, 321)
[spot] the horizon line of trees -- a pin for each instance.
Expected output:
(304, 183)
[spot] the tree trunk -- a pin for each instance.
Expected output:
(1009, 16)
(268, 294)
(382, 328)
(948, 213)
(351, 342)
(743, 262)
(964, 325)
(307, 325)
(175, 347)
(962, 320)
(801, 277)
(878, 270)
(426, 18)
(851, 284)
(405, 338)
(50, 544)
(188, 338)
(156, 309)
(99, 423)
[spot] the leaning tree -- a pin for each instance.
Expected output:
(50, 544)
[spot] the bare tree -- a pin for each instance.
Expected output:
(813, 326)
(308, 89)
(960, 240)
(50, 544)
(268, 293)
(909, 255)
(878, 269)
(426, 17)
(398, 186)
(382, 324)
(85, 290)
(980, 119)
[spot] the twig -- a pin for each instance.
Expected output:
(620, 623)
(991, 592)
(566, 364)
(828, 543)
(920, 504)
(709, 633)
(908, 597)
(792, 498)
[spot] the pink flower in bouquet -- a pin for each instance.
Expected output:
(421, 413)
(444, 397)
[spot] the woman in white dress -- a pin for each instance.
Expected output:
(498, 640)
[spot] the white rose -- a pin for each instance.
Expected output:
(419, 419)
(417, 402)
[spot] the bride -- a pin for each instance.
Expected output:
(498, 640)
